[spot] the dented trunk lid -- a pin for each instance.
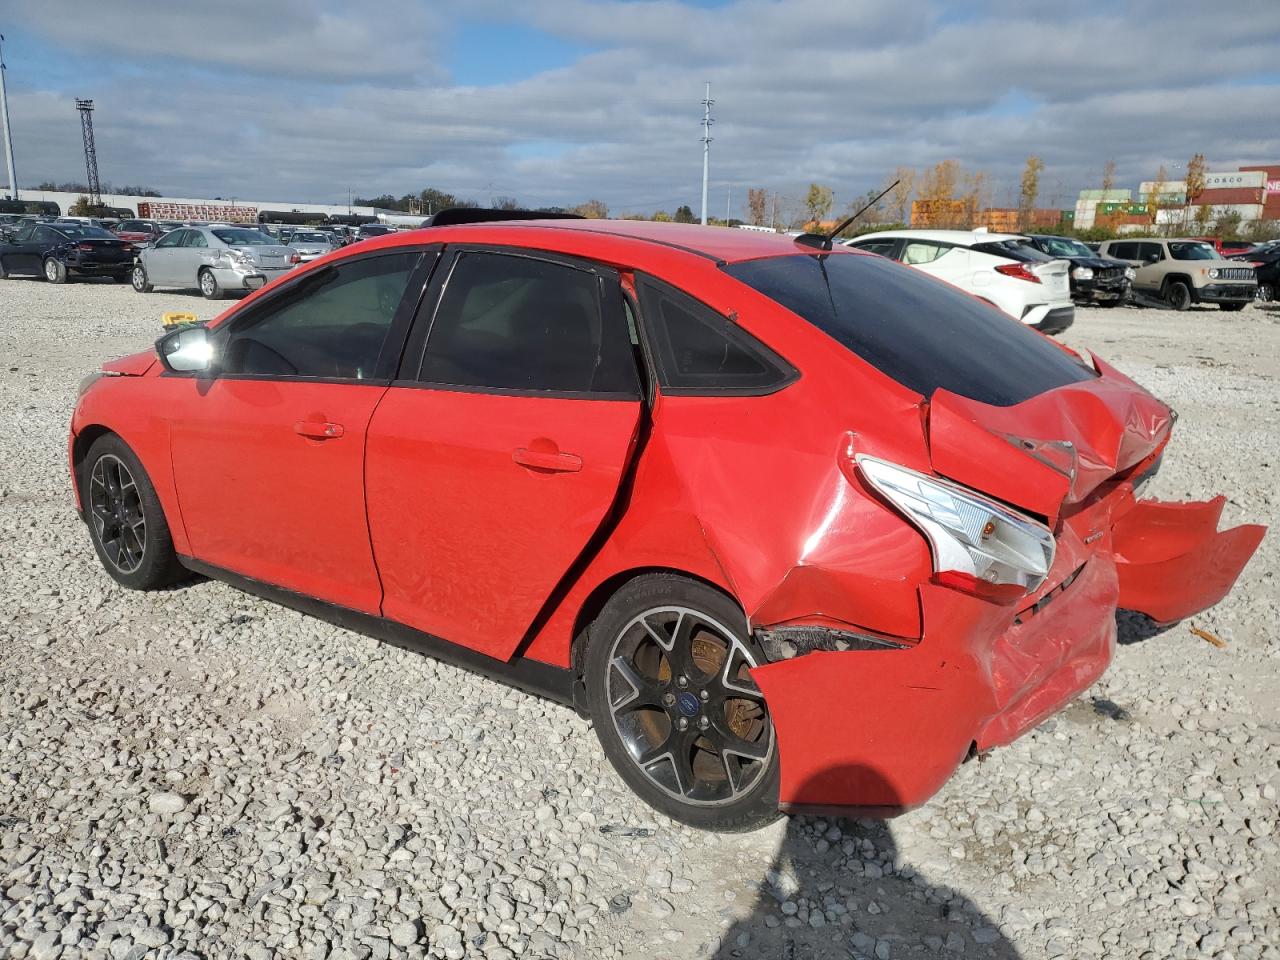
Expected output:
(1053, 450)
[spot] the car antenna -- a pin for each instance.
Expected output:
(823, 240)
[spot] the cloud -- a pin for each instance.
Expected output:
(296, 101)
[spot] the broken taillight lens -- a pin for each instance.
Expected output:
(979, 546)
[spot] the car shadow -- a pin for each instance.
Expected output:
(1135, 627)
(839, 888)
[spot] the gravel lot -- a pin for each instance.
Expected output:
(198, 773)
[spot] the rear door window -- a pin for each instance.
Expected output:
(884, 246)
(916, 252)
(925, 334)
(515, 322)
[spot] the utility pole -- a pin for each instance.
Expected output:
(728, 199)
(773, 212)
(706, 147)
(8, 137)
(90, 152)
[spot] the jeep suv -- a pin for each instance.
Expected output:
(1183, 272)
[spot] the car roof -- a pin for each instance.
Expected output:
(962, 237)
(724, 244)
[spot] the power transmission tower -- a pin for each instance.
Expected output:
(90, 153)
(706, 148)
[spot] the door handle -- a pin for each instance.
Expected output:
(318, 429)
(541, 460)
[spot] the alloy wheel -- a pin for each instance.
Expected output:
(51, 271)
(685, 707)
(208, 286)
(1265, 293)
(116, 509)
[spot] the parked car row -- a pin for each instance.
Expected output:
(1183, 272)
(215, 259)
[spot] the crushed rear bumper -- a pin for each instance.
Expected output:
(876, 732)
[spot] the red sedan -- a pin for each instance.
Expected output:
(796, 528)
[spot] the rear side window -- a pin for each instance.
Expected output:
(522, 323)
(697, 351)
(921, 332)
(883, 247)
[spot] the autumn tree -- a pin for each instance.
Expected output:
(1108, 176)
(938, 192)
(900, 195)
(1029, 190)
(593, 210)
(81, 208)
(1196, 171)
(757, 202)
(974, 197)
(1157, 189)
(818, 202)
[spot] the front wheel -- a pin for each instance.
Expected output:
(126, 521)
(675, 708)
(209, 288)
(55, 271)
(139, 279)
(1178, 295)
(1266, 293)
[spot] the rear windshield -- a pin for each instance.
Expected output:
(244, 238)
(922, 332)
(76, 232)
(1020, 250)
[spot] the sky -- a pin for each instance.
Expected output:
(557, 101)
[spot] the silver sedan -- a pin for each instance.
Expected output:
(215, 260)
(312, 244)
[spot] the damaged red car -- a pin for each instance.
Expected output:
(797, 528)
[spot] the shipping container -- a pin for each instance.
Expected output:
(1236, 178)
(212, 212)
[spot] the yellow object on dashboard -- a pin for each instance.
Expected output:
(175, 317)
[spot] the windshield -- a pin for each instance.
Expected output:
(76, 232)
(926, 334)
(1192, 250)
(244, 238)
(1062, 247)
(309, 238)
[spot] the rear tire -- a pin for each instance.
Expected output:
(54, 271)
(139, 279)
(126, 521)
(209, 288)
(1231, 307)
(685, 695)
(1178, 296)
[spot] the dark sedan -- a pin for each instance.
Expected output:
(1094, 278)
(57, 251)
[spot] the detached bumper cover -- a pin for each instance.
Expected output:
(1173, 562)
(877, 732)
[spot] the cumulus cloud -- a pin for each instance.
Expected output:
(298, 100)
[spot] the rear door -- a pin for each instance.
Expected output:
(499, 450)
(20, 255)
(268, 456)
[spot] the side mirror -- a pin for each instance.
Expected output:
(1152, 258)
(186, 350)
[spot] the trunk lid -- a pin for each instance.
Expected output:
(107, 251)
(268, 257)
(1053, 275)
(1052, 450)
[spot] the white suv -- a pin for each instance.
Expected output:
(1000, 268)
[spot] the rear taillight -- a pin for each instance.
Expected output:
(296, 258)
(1018, 271)
(84, 246)
(979, 547)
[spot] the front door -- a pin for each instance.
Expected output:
(160, 260)
(501, 448)
(268, 456)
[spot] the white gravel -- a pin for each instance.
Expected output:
(197, 773)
